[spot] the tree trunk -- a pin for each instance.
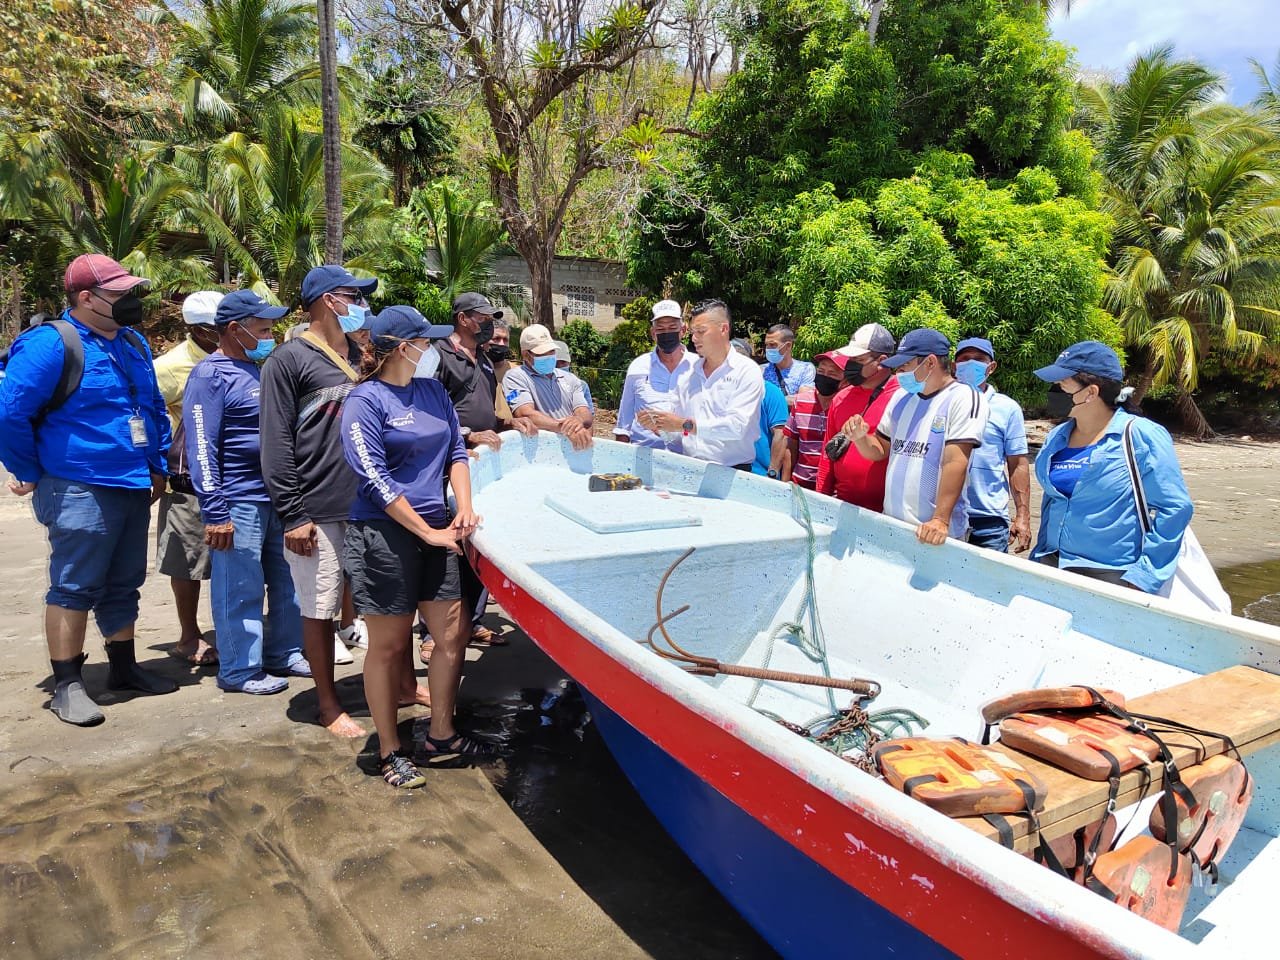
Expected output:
(542, 308)
(873, 22)
(1197, 426)
(1145, 380)
(331, 133)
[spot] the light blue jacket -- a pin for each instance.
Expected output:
(1098, 525)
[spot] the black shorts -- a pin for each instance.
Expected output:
(392, 571)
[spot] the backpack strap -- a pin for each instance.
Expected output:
(1135, 480)
(72, 367)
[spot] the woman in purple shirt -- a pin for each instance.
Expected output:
(400, 435)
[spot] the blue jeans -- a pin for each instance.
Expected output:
(98, 548)
(989, 532)
(251, 572)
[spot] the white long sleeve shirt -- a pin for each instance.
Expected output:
(651, 386)
(725, 407)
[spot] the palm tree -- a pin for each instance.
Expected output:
(236, 60)
(461, 238)
(273, 199)
(1193, 188)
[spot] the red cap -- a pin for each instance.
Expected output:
(97, 270)
(839, 359)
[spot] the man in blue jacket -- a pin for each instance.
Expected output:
(95, 463)
(220, 416)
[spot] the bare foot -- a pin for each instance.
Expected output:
(420, 697)
(343, 726)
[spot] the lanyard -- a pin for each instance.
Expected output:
(875, 394)
(119, 365)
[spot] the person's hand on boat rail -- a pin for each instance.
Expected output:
(572, 429)
(466, 523)
(933, 532)
(524, 426)
(484, 438)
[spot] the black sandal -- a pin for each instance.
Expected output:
(459, 745)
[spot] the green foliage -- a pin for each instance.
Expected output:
(587, 345)
(412, 140)
(946, 250)
(626, 341)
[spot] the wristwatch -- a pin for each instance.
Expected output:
(773, 474)
(687, 427)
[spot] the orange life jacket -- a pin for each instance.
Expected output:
(958, 778)
(1145, 877)
(1221, 789)
(1093, 746)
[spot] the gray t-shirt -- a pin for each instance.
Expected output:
(556, 396)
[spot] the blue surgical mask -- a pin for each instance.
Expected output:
(909, 383)
(261, 351)
(773, 355)
(354, 319)
(972, 372)
(545, 365)
(428, 363)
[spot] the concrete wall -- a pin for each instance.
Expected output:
(589, 289)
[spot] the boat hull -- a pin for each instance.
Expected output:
(815, 877)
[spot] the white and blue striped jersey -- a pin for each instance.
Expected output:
(917, 428)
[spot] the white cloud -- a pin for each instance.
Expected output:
(1107, 34)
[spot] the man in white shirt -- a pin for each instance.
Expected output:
(717, 410)
(653, 379)
(928, 432)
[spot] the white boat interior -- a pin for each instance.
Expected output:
(942, 630)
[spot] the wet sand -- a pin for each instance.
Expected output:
(208, 825)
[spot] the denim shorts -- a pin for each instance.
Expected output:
(392, 571)
(98, 548)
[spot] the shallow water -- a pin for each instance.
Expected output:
(1254, 589)
(285, 848)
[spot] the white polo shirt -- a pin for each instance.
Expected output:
(726, 408)
(651, 386)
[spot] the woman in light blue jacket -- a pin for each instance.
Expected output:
(1090, 520)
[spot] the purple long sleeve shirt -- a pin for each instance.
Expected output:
(220, 419)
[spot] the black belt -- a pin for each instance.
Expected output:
(181, 483)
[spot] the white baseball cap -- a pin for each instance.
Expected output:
(667, 308)
(870, 338)
(200, 308)
(537, 340)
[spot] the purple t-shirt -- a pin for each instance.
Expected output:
(401, 441)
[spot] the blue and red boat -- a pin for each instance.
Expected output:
(822, 858)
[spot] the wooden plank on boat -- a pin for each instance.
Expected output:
(1240, 702)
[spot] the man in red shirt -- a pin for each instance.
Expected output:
(869, 387)
(806, 427)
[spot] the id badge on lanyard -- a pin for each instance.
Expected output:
(138, 431)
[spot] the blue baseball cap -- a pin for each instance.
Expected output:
(243, 305)
(320, 280)
(402, 322)
(976, 343)
(919, 343)
(1088, 356)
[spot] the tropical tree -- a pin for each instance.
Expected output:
(272, 196)
(461, 237)
(1194, 188)
(411, 139)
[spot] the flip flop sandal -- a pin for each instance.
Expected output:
(460, 745)
(425, 649)
(208, 659)
(484, 637)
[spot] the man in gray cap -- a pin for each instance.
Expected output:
(181, 553)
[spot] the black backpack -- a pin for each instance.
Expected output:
(72, 358)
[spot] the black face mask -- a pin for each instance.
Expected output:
(485, 333)
(826, 386)
(127, 311)
(498, 352)
(853, 374)
(668, 341)
(1060, 405)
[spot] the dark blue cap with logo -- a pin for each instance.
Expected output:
(323, 279)
(919, 343)
(981, 344)
(1088, 356)
(244, 305)
(398, 323)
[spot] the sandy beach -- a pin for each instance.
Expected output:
(203, 824)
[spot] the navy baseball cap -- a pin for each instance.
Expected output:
(244, 305)
(977, 343)
(402, 322)
(1088, 356)
(919, 343)
(320, 280)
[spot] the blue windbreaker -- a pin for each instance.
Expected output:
(220, 417)
(87, 439)
(1098, 525)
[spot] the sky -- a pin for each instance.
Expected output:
(1223, 34)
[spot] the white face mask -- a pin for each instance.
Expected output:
(428, 364)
